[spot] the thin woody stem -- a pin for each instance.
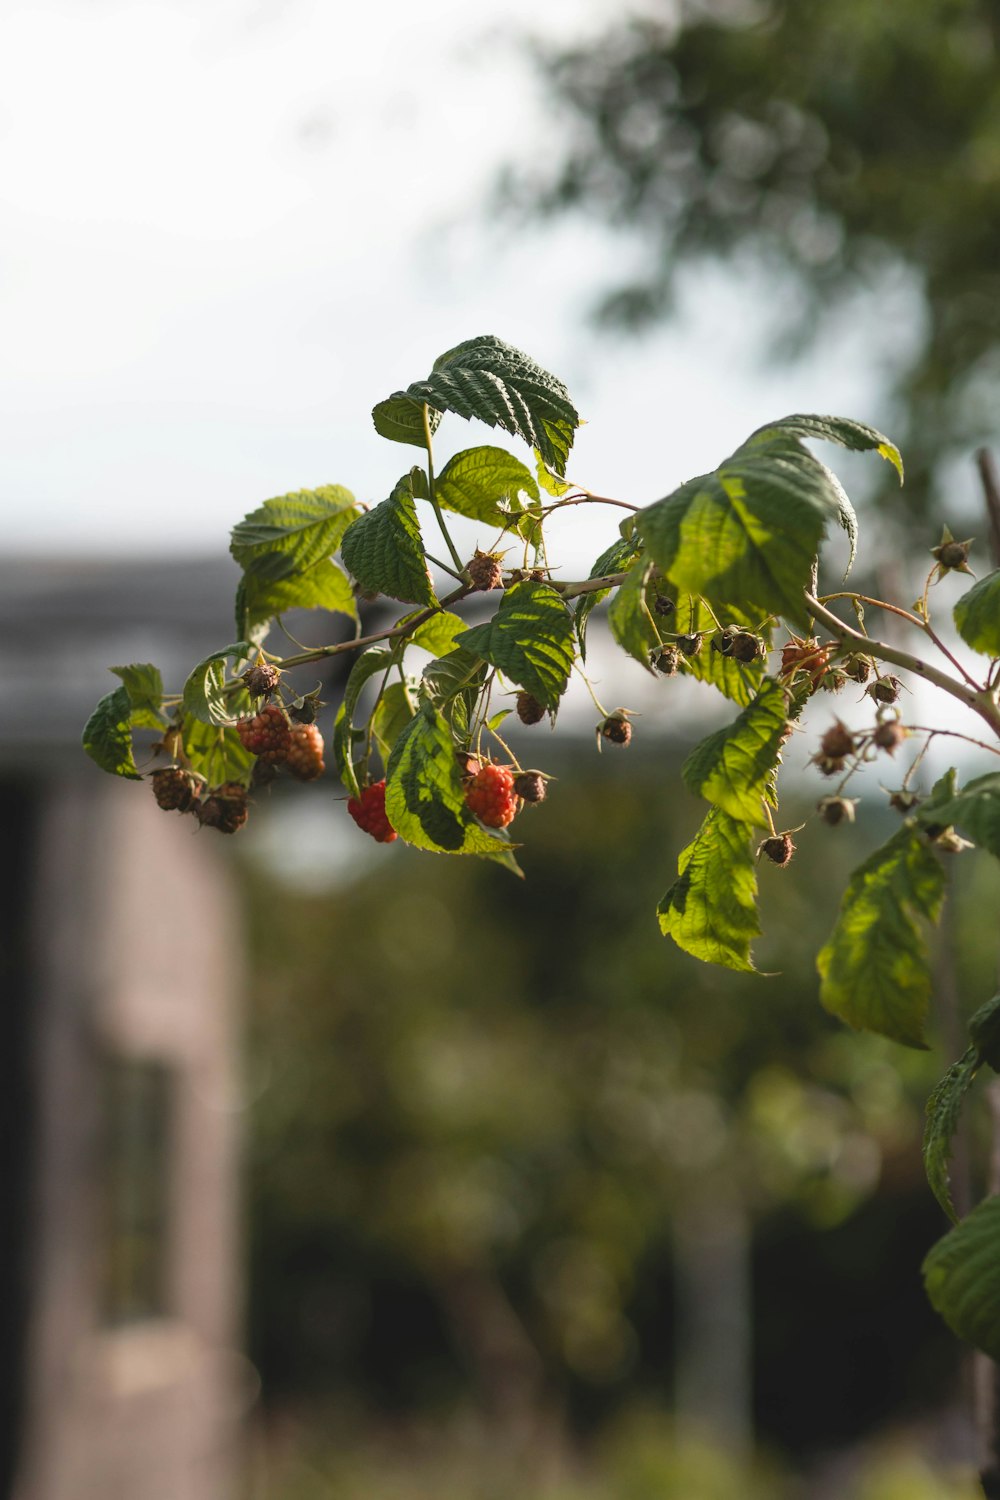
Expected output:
(911, 619)
(979, 700)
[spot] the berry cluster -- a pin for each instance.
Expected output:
(223, 807)
(368, 811)
(268, 734)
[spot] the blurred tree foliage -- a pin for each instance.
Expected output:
(481, 1105)
(832, 143)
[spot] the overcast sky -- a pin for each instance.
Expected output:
(229, 228)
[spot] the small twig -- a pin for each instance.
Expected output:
(991, 495)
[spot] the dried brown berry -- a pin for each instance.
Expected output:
(529, 710)
(833, 680)
(305, 710)
(778, 849)
(746, 647)
(261, 680)
(834, 810)
(667, 662)
(885, 689)
(724, 641)
(952, 556)
(530, 785)
(690, 644)
(225, 808)
(485, 570)
(856, 668)
(837, 741)
(469, 765)
(664, 605)
(175, 790)
(617, 728)
(889, 736)
(829, 765)
(950, 842)
(904, 801)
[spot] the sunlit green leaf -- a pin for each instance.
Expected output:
(293, 532)
(425, 796)
(975, 810)
(629, 617)
(530, 639)
(453, 683)
(107, 736)
(711, 909)
(384, 549)
(875, 968)
(487, 484)
(205, 694)
(437, 635)
(615, 559)
(943, 1109)
(977, 615)
(734, 767)
(323, 586)
(369, 664)
(962, 1277)
(216, 752)
(144, 686)
(394, 711)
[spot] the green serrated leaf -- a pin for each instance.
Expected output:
(711, 909)
(875, 968)
(486, 484)
(323, 586)
(496, 383)
(530, 639)
(943, 1109)
(394, 711)
(962, 1277)
(107, 736)
(977, 615)
(614, 559)
(385, 552)
(975, 810)
(144, 686)
(204, 696)
(549, 482)
(734, 768)
(453, 682)
(629, 617)
(401, 419)
(292, 533)
(369, 664)
(738, 681)
(984, 1029)
(216, 752)
(437, 635)
(425, 797)
(747, 535)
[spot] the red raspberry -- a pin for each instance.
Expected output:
(305, 752)
(267, 734)
(368, 811)
(491, 796)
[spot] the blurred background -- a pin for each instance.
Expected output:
(335, 1170)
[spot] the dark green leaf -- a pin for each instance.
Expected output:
(984, 1029)
(425, 797)
(501, 386)
(629, 617)
(369, 664)
(453, 683)
(615, 559)
(962, 1277)
(875, 968)
(144, 686)
(401, 419)
(107, 736)
(734, 768)
(711, 909)
(486, 484)
(216, 752)
(943, 1109)
(293, 532)
(385, 552)
(530, 639)
(323, 586)
(977, 615)
(204, 696)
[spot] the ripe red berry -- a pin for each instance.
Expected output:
(268, 734)
(368, 811)
(491, 796)
(304, 757)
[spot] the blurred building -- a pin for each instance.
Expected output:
(120, 1290)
